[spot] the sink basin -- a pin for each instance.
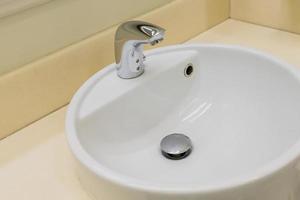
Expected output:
(239, 107)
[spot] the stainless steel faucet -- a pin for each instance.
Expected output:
(129, 40)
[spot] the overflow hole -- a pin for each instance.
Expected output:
(188, 70)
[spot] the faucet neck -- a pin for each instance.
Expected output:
(129, 40)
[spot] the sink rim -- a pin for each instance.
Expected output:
(109, 175)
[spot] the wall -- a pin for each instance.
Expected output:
(279, 14)
(39, 31)
(10, 7)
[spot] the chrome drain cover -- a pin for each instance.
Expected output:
(176, 146)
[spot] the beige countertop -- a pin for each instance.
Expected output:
(35, 162)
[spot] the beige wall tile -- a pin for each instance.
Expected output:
(280, 14)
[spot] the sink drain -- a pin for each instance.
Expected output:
(176, 146)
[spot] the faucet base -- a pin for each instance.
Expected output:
(130, 75)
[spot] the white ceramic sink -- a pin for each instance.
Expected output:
(239, 107)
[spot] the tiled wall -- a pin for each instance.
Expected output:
(279, 14)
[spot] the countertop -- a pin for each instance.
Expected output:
(35, 162)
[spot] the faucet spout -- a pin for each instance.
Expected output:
(129, 40)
